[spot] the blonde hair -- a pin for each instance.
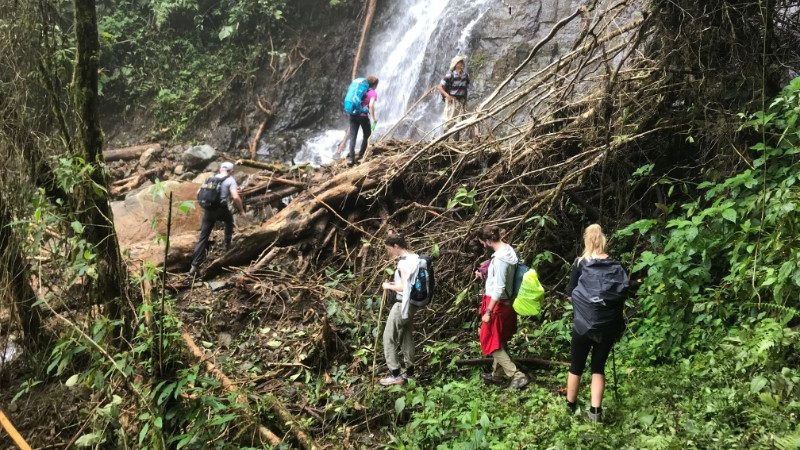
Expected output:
(594, 242)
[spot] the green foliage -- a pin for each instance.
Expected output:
(464, 198)
(736, 396)
(181, 54)
(710, 357)
(731, 253)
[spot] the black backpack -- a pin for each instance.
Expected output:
(598, 299)
(210, 194)
(425, 284)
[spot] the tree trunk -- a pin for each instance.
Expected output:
(362, 42)
(15, 278)
(93, 208)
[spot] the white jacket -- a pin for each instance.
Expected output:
(500, 277)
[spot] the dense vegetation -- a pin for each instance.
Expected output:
(710, 357)
(704, 201)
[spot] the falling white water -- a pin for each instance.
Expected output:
(409, 51)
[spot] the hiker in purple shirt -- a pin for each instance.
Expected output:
(362, 120)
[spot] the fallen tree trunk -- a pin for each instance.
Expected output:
(275, 167)
(126, 185)
(126, 153)
(270, 183)
(271, 197)
(298, 218)
(228, 385)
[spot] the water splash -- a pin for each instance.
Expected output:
(410, 48)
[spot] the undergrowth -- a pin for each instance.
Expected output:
(709, 359)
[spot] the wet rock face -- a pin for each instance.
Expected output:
(502, 40)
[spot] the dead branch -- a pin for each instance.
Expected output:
(266, 108)
(228, 385)
(371, 6)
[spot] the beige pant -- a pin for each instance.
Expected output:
(503, 365)
(399, 335)
(453, 112)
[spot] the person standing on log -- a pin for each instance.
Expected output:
(362, 120)
(454, 87)
(399, 331)
(216, 196)
(597, 286)
(498, 319)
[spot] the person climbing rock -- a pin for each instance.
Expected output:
(454, 87)
(216, 196)
(498, 319)
(361, 117)
(399, 331)
(597, 286)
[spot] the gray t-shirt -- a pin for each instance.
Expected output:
(227, 187)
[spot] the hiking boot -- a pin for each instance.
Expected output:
(491, 378)
(595, 417)
(519, 383)
(391, 380)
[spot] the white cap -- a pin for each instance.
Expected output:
(226, 166)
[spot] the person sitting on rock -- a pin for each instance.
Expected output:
(217, 210)
(453, 88)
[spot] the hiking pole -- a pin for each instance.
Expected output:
(377, 336)
(614, 370)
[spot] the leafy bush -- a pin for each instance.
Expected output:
(733, 252)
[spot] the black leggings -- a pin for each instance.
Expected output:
(355, 122)
(580, 351)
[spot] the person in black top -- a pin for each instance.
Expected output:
(454, 87)
(596, 287)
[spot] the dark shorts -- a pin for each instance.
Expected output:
(579, 350)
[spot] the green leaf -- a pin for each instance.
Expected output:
(729, 214)
(72, 381)
(77, 227)
(143, 432)
(399, 405)
(435, 251)
(226, 32)
(186, 207)
(757, 384)
(88, 440)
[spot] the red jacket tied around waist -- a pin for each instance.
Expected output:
(501, 326)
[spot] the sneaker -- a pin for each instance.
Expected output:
(491, 378)
(406, 376)
(391, 380)
(519, 383)
(595, 417)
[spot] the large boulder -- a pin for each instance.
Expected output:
(140, 218)
(198, 156)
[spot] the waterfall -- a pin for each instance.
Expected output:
(409, 51)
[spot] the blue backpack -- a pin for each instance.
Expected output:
(519, 273)
(425, 283)
(355, 96)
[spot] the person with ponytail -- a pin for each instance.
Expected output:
(498, 319)
(597, 287)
